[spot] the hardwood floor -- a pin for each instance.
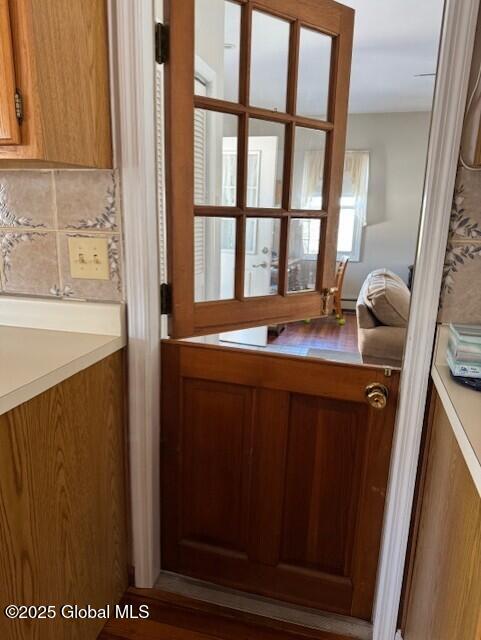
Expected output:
(321, 333)
(174, 617)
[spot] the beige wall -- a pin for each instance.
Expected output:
(397, 143)
(39, 210)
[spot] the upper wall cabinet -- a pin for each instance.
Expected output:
(54, 83)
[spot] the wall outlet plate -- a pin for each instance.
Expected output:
(89, 258)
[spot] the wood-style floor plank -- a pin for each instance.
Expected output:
(174, 617)
(321, 333)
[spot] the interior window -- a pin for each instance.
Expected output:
(353, 202)
(353, 205)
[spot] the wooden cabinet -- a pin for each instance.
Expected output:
(54, 79)
(444, 590)
(63, 516)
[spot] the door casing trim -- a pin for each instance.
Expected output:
(133, 100)
(133, 28)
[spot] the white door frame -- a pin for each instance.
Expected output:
(133, 89)
(136, 95)
(458, 31)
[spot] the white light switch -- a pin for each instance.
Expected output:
(89, 258)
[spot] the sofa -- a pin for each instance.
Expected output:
(382, 312)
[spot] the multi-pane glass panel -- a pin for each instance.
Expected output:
(214, 258)
(217, 161)
(314, 74)
(308, 169)
(215, 158)
(261, 264)
(269, 61)
(265, 164)
(304, 239)
(217, 48)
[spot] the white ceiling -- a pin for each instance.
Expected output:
(393, 41)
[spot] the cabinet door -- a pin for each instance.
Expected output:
(444, 593)
(9, 126)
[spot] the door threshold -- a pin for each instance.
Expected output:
(264, 607)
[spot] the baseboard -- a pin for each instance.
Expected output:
(349, 304)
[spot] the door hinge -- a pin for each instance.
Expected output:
(18, 106)
(165, 299)
(161, 42)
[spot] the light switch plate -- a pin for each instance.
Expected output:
(89, 258)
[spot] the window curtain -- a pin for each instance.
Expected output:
(313, 176)
(472, 121)
(355, 182)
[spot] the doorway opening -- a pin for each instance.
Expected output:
(277, 445)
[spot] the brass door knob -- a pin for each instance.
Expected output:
(377, 395)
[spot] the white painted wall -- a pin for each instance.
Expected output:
(398, 146)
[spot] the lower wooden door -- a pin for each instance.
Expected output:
(274, 473)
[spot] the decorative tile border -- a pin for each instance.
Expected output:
(462, 226)
(114, 260)
(64, 292)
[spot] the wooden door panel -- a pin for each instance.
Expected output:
(266, 371)
(269, 442)
(274, 474)
(323, 473)
(9, 128)
(237, 571)
(214, 484)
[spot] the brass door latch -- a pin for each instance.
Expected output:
(377, 395)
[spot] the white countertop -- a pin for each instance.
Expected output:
(35, 354)
(462, 406)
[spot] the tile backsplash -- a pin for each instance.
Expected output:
(460, 296)
(39, 211)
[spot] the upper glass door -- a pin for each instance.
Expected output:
(256, 119)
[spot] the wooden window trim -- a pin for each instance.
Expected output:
(189, 318)
(234, 108)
